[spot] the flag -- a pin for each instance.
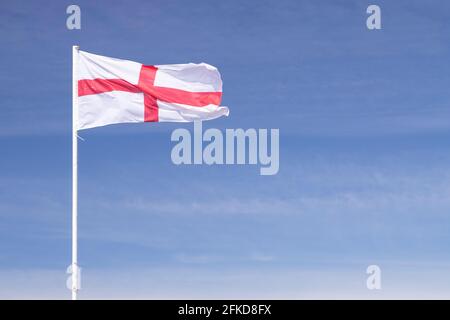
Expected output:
(121, 91)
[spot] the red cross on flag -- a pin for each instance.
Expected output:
(119, 91)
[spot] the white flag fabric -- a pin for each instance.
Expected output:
(120, 91)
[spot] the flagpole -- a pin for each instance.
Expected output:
(75, 269)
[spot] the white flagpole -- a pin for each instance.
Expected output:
(75, 269)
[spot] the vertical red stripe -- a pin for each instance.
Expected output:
(151, 109)
(146, 80)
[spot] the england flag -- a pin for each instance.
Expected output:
(121, 91)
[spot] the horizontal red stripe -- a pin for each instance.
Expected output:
(195, 99)
(96, 86)
(170, 95)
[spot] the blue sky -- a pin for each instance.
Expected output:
(364, 160)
